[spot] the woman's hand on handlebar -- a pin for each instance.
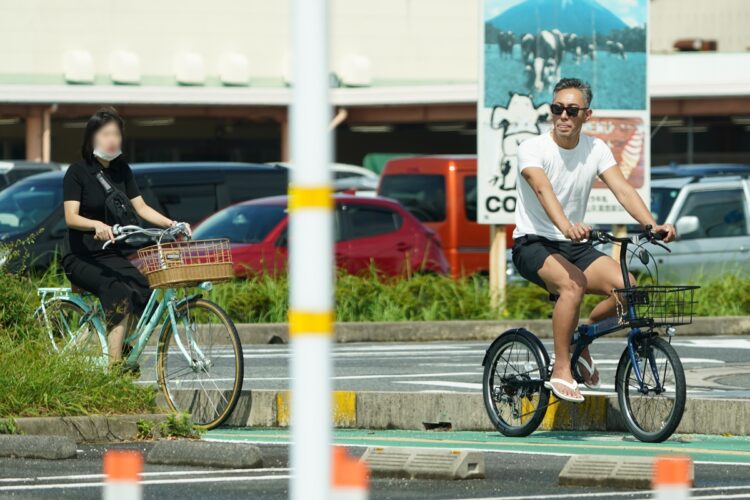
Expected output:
(184, 226)
(667, 232)
(103, 232)
(578, 231)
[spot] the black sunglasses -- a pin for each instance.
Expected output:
(557, 109)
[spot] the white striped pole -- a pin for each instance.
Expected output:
(122, 471)
(672, 477)
(310, 254)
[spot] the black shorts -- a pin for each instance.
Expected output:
(530, 251)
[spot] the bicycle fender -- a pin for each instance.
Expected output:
(523, 332)
(88, 311)
(75, 300)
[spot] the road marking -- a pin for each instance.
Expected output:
(394, 438)
(714, 343)
(648, 493)
(443, 383)
(180, 481)
(145, 474)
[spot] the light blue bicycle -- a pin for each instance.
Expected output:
(199, 361)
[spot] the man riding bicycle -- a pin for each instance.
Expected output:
(558, 169)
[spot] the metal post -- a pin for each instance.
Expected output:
(311, 254)
(498, 265)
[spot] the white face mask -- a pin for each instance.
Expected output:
(107, 156)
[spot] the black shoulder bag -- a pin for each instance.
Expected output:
(116, 204)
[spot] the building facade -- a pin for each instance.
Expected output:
(200, 80)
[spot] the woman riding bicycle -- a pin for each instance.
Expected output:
(557, 171)
(91, 208)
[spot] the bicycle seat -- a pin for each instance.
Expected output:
(77, 289)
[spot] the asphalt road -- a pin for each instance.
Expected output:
(527, 471)
(715, 366)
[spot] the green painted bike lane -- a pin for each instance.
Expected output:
(702, 448)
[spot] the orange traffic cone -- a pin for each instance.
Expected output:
(673, 477)
(123, 473)
(350, 476)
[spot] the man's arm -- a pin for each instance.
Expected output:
(632, 202)
(542, 187)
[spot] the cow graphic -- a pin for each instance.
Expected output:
(516, 122)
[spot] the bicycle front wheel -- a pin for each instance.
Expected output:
(651, 412)
(200, 365)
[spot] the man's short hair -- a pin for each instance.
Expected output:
(575, 83)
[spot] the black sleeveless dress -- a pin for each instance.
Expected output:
(108, 274)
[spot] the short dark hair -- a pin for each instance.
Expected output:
(575, 83)
(103, 116)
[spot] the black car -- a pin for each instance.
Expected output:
(12, 171)
(186, 192)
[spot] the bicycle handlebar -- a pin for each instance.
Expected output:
(647, 234)
(124, 232)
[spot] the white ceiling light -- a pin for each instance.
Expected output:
(78, 66)
(189, 68)
(355, 70)
(234, 69)
(124, 67)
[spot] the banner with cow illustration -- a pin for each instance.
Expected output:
(526, 47)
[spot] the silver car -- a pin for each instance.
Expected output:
(712, 217)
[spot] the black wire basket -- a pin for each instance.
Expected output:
(658, 305)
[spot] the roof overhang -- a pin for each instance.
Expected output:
(671, 76)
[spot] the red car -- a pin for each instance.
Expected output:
(366, 230)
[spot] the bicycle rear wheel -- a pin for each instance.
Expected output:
(67, 326)
(653, 413)
(200, 366)
(513, 384)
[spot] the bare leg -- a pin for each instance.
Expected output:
(114, 340)
(567, 281)
(602, 276)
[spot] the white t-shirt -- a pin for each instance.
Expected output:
(570, 171)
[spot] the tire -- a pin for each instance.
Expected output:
(182, 380)
(526, 404)
(643, 414)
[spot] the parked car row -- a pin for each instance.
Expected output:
(367, 231)
(710, 208)
(418, 215)
(186, 191)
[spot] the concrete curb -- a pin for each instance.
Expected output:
(416, 331)
(465, 412)
(87, 429)
(205, 454)
(47, 447)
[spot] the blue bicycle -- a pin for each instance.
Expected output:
(649, 382)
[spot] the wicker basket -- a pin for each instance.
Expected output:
(186, 263)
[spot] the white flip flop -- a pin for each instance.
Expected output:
(591, 369)
(550, 384)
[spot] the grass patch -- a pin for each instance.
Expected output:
(36, 381)
(8, 426)
(179, 425)
(263, 298)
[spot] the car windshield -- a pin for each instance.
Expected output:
(422, 195)
(242, 223)
(662, 200)
(26, 204)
